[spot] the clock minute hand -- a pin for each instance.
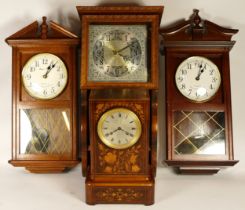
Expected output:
(49, 68)
(129, 45)
(201, 70)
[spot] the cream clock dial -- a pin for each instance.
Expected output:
(44, 76)
(119, 128)
(197, 78)
(117, 53)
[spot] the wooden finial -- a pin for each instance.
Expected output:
(44, 28)
(196, 19)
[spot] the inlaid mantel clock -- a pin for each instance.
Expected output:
(198, 96)
(44, 121)
(119, 82)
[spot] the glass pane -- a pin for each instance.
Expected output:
(199, 133)
(45, 131)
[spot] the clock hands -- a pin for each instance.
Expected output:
(201, 70)
(120, 129)
(49, 68)
(118, 51)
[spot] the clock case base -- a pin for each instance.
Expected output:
(119, 192)
(199, 167)
(43, 166)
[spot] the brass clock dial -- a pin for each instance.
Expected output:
(197, 78)
(117, 53)
(44, 76)
(119, 128)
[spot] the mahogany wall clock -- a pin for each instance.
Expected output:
(44, 98)
(119, 82)
(198, 96)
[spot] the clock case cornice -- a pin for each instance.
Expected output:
(54, 34)
(195, 32)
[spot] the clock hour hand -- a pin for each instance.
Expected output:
(49, 68)
(118, 51)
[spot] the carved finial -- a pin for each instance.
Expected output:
(44, 28)
(196, 21)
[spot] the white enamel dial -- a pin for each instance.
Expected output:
(119, 128)
(44, 76)
(197, 78)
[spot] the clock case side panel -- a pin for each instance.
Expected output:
(25, 40)
(153, 23)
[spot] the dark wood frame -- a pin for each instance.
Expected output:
(26, 43)
(202, 38)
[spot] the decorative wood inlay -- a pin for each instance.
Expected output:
(119, 194)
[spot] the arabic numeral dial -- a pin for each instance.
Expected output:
(197, 78)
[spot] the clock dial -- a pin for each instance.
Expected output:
(119, 128)
(44, 76)
(117, 53)
(198, 79)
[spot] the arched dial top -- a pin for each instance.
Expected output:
(119, 128)
(44, 76)
(197, 78)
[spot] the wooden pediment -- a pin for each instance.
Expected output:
(196, 29)
(42, 32)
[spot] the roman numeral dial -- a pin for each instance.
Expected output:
(119, 128)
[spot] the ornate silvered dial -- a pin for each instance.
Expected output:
(119, 128)
(44, 76)
(198, 78)
(117, 53)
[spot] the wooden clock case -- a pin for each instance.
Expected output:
(195, 37)
(123, 186)
(26, 43)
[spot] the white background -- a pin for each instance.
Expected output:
(21, 190)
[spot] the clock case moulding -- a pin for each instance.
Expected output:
(197, 37)
(25, 43)
(90, 90)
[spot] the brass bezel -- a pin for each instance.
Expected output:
(132, 141)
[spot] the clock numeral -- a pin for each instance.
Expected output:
(37, 63)
(189, 65)
(131, 121)
(107, 134)
(105, 128)
(28, 76)
(62, 76)
(108, 37)
(133, 128)
(211, 87)
(52, 90)
(58, 84)
(183, 72)
(183, 86)
(112, 116)
(214, 79)
(32, 69)
(119, 114)
(190, 90)
(211, 72)
(45, 61)
(180, 78)
(45, 92)
(58, 69)
(112, 139)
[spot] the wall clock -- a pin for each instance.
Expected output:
(119, 57)
(44, 98)
(198, 95)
